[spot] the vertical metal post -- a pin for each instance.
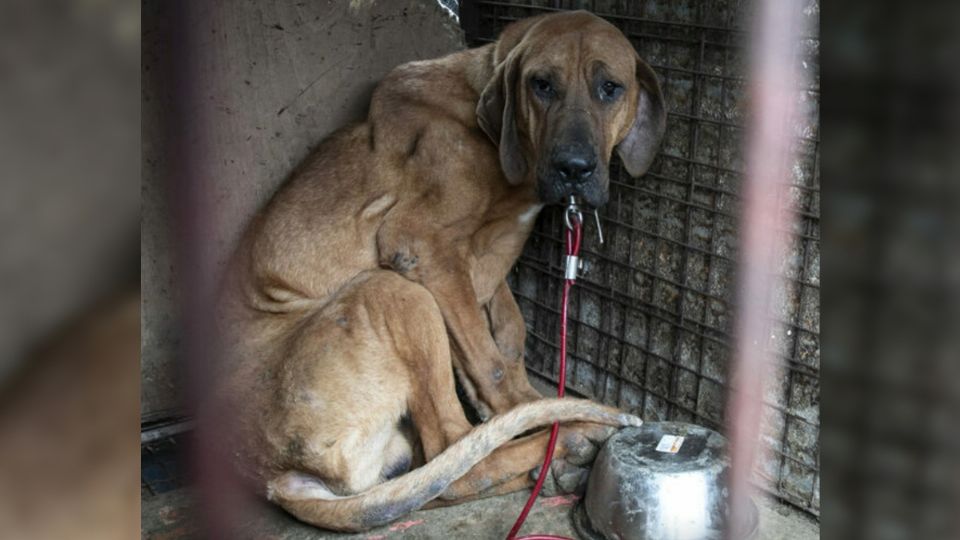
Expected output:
(773, 94)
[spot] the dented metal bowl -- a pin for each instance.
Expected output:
(661, 481)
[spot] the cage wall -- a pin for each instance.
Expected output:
(651, 320)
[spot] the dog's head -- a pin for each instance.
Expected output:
(567, 90)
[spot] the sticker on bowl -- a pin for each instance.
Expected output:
(670, 444)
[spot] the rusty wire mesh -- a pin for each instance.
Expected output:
(652, 318)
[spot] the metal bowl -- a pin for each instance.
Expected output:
(649, 484)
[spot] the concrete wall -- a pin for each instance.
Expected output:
(273, 78)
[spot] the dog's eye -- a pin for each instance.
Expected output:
(542, 87)
(610, 90)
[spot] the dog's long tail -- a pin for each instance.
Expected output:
(309, 500)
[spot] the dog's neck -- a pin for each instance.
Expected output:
(479, 66)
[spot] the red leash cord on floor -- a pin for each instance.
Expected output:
(574, 229)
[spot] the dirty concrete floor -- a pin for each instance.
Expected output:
(170, 516)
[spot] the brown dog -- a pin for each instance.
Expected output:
(376, 275)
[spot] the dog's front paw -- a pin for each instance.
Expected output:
(563, 478)
(582, 441)
(579, 444)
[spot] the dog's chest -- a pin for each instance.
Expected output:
(526, 218)
(502, 236)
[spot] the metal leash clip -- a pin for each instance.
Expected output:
(572, 212)
(572, 264)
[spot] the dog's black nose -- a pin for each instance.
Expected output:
(575, 168)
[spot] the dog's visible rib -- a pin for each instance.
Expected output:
(308, 499)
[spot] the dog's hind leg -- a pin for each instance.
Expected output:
(420, 340)
(407, 321)
(348, 384)
(354, 379)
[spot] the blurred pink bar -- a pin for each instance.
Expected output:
(773, 94)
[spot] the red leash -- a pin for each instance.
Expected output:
(574, 229)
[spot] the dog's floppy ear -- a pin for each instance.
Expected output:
(496, 110)
(639, 147)
(497, 118)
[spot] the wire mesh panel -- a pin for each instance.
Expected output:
(651, 320)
